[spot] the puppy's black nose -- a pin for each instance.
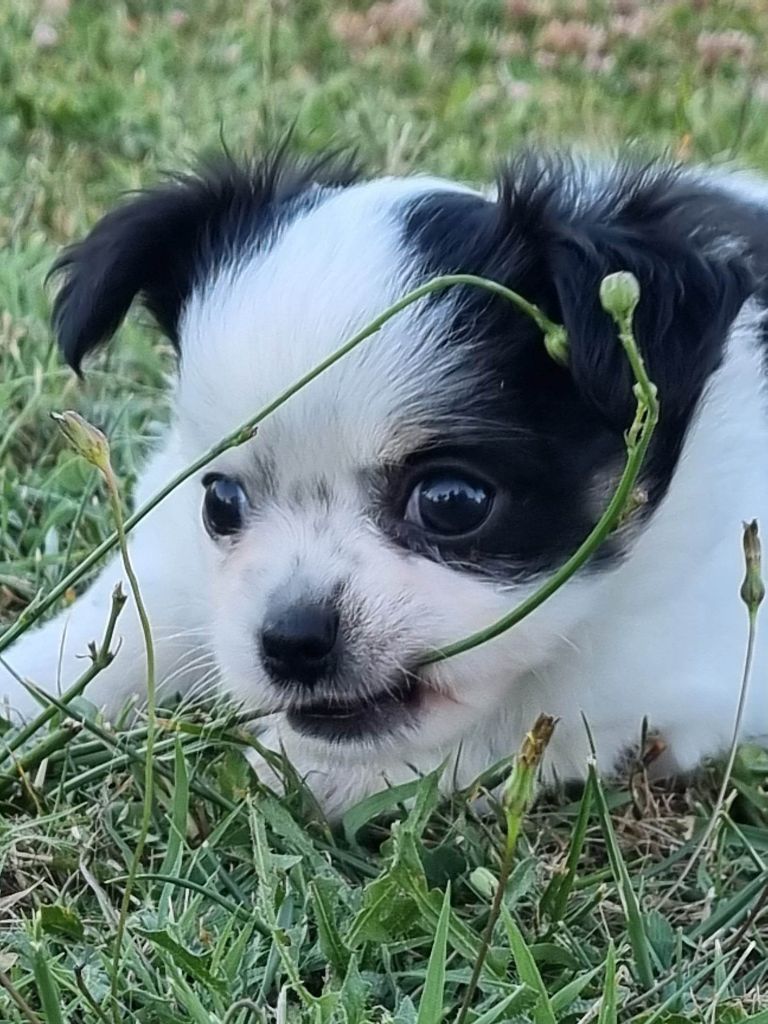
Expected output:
(300, 643)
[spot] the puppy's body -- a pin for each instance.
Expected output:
(331, 562)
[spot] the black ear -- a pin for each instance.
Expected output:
(162, 242)
(693, 282)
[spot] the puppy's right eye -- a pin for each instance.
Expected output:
(224, 505)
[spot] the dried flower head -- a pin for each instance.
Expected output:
(87, 440)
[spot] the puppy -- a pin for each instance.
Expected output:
(431, 480)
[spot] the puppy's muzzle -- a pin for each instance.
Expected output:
(300, 643)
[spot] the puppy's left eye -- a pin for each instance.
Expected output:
(224, 505)
(449, 504)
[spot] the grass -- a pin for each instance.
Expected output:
(246, 908)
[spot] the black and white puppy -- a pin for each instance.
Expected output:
(430, 481)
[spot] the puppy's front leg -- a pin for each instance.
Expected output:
(166, 555)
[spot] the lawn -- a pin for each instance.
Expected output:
(245, 907)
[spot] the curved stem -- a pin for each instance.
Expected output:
(638, 439)
(247, 430)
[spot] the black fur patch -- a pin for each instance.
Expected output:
(162, 242)
(552, 235)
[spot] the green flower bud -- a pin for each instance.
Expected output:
(484, 882)
(556, 344)
(619, 294)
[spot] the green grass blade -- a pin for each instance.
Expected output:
(556, 897)
(177, 828)
(761, 1017)
(638, 940)
(431, 1002)
(570, 992)
(374, 806)
(527, 970)
(329, 937)
(730, 911)
(608, 1003)
(507, 1006)
(47, 988)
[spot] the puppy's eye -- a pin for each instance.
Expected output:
(449, 504)
(224, 505)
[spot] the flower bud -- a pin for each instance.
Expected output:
(484, 882)
(87, 440)
(619, 294)
(753, 588)
(556, 344)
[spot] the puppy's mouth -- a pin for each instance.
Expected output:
(357, 718)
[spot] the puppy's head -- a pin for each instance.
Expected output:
(427, 482)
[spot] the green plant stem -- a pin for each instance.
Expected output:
(86, 994)
(110, 740)
(149, 777)
(638, 439)
(752, 613)
(186, 883)
(34, 758)
(101, 658)
(518, 794)
(247, 430)
(22, 1005)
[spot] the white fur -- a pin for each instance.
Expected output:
(662, 635)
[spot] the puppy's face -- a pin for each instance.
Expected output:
(410, 495)
(422, 486)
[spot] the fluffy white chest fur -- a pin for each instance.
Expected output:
(430, 481)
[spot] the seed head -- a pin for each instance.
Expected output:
(87, 440)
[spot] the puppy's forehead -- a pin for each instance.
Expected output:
(272, 312)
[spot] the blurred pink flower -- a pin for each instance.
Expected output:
(517, 90)
(177, 18)
(576, 38)
(599, 63)
(631, 26)
(714, 48)
(511, 45)
(523, 9)
(44, 35)
(545, 60)
(382, 21)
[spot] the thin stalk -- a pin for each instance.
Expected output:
(21, 1004)
(86, 994)
(638, 438)
(247, 430)
(100, 659)
(752, 594)
(198, 788)
(149, 776)
(92, 445)
(33, 758)
(518, 794)
(201, 890)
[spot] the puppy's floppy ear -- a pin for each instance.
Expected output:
(146, 246)
(692, 287)
(161, 243)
